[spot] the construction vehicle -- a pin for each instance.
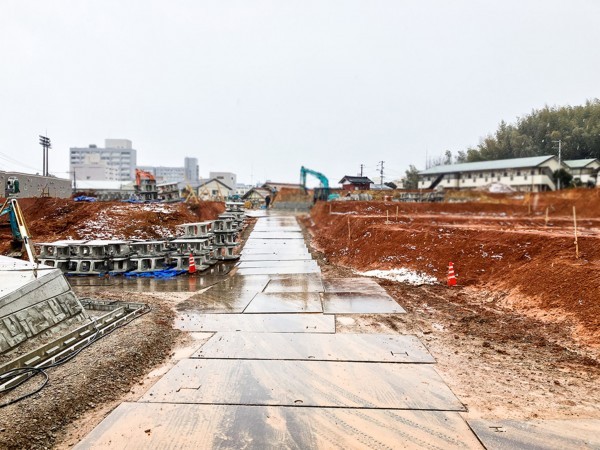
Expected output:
(189, 194)
(18, 227)
(320, 193)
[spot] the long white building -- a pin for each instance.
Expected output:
(533, 174)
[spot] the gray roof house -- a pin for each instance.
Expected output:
(532, 174)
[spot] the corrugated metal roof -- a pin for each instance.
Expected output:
(514, 163)
(579, 163)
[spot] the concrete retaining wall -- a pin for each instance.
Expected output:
(33, 185)
(30, 305)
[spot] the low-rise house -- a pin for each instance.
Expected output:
(584, 170)
(256, 196)
(532, 174)
(351, 183)
(214, 189)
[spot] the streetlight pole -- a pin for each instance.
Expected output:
(559, 161)
(45, 143)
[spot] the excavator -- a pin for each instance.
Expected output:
(18, 227)
(322, 192)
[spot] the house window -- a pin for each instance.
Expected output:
(481, 175)
(505, 174)
(533, 172)
(518, 173)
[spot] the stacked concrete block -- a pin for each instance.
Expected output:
(208, 241)
(226, 231)
(148, 256)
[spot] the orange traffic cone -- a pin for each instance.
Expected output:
(451, 276)
(192, 268)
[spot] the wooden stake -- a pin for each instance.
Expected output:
(387, 215)
(396, 214)
(575, 230)
(547, 218)
(348, 227)
(330, 208)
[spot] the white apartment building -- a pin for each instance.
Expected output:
(227, 178)
(587, 171)
(116, 160)
(192, 172)
(92, 167)
(533, 174)
(164, 174)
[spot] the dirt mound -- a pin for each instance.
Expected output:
(293, 195)
(494, 246)
(50, 219)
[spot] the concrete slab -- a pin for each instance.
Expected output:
(278, 263)
(295, 283)
(142, 426)
(261, 323)
(217, 301)
(281, 270)
(359, 303)
(275, 243)
(292, 235)
(316, 347)
(362, 284)
(288, 256)
(285, 302)
(537, 434)
(254, 283)
(280, 227)
(306, 383)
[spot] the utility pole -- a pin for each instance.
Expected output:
(362, 166)
(45, 143)
(381, 171)
(559, 161)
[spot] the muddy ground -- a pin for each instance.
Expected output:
(519, 338)
(501, 362)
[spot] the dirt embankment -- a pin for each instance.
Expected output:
(50, 219)
(504, 247)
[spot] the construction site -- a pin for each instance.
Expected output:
(325, 321)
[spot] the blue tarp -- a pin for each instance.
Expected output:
(83, 198)
(167, 273)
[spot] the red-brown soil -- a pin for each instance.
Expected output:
(501, 244)
(50, 219)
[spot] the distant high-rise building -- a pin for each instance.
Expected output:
(192, 172)
(117, 161)
(162, 173)
(228, 178)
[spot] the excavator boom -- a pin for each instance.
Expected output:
(323, 192)
(18, 226)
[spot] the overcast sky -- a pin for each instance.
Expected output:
(260, 88)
